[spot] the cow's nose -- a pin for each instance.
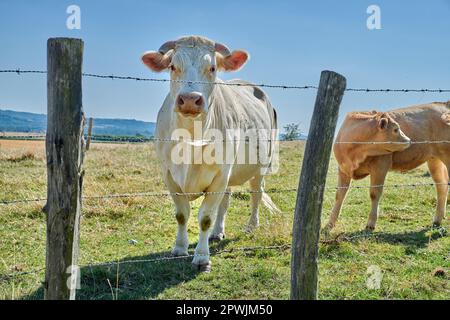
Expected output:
(190, 104)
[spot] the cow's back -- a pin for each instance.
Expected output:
(253, 112)
(248, 103)
(426, 124)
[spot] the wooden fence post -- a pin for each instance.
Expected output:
(88, 143)
(64, 150)
(306, 229)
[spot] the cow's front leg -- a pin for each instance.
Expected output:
(341, 191)
(182, 216)
(206, 218)
(379, 170)
(182, 212)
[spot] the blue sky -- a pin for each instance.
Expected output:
(290, 42)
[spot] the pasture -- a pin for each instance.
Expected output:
(414, 259)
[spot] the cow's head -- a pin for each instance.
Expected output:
(388, 130)
(194, 61)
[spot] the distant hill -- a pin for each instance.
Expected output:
(14, 121)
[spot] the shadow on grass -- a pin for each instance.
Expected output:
(412, 240)
(137, 280)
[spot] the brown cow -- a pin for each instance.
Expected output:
(428, 122)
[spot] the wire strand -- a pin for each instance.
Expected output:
(156, 260)
(263, 85)
(155, 194)
(203, 141)
(270, 191)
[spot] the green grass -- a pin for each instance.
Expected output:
(403, 246)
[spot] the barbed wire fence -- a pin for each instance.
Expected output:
(341, 237)
(170, 140)
(19, 71)
(335, 240)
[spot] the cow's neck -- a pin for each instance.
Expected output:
(350, 158)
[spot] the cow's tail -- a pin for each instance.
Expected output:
(269, 204)
(274, 143)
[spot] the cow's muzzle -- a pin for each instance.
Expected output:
(190, 104)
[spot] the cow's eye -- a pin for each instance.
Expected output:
(396, 130)
(172, 67)
(212, 69)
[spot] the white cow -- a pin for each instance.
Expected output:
(195, 102)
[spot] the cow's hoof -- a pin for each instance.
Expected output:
(202, 267)
(179, 252)
(370, 229)
(216, 237)
(436, 225)
(251, 227)
(325, 231)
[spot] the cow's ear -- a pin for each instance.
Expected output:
(156, 61)
(383, 123)
(233, 62)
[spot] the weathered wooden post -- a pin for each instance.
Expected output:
(64, 149)
(306, 229)
(88, 142)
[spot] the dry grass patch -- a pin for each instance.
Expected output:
(22, 150)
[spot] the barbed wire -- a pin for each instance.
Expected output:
(326, 240)
(410, 185)
(171, 257)
(269, 191)
(305, 140)
(21, 273)
(19, 71)
(399, 90)
(17, 201)
(155, 194)
(394, 142)
(114, 77)
(159, 259)
(203, 141)
(263, 85)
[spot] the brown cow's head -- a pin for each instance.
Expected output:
(388, 130)
(194, 61)
(370, 130)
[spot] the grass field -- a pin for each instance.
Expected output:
(414, 260)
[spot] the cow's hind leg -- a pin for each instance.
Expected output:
(439, 173)
(256, 188)
(343, 184)
(218, 232)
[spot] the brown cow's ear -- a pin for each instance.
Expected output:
(156, 61)
(383, 123)
(233, 62)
